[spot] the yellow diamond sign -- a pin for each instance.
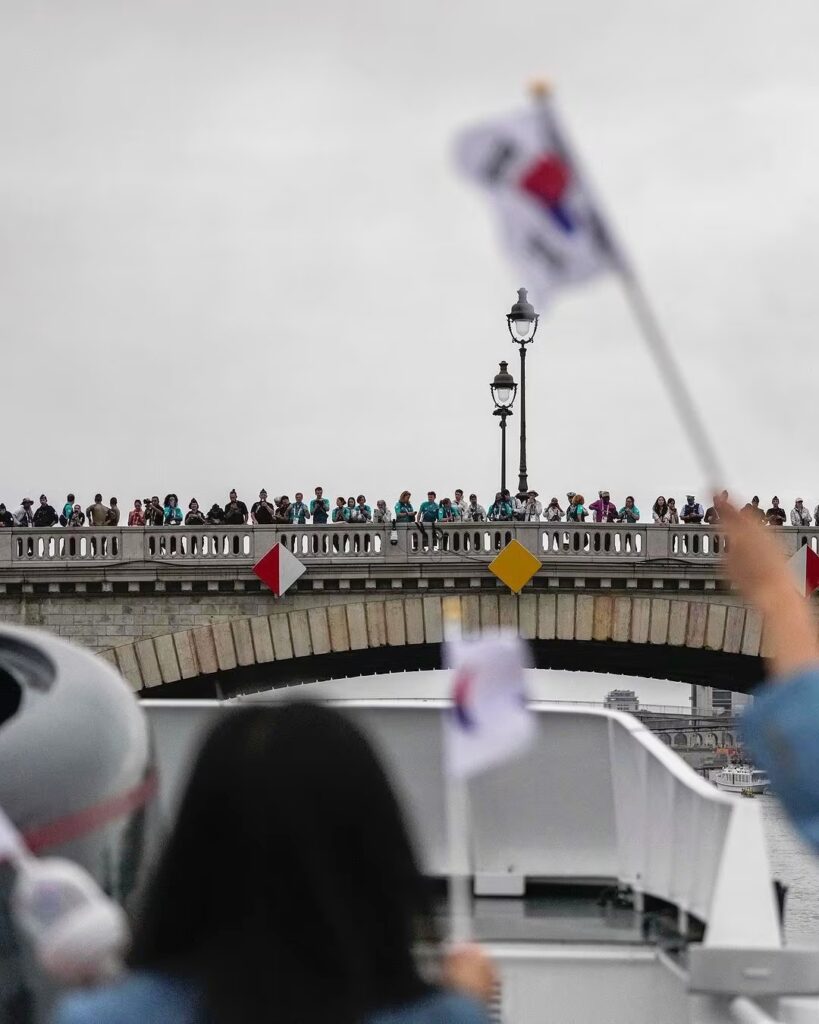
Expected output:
(515, 566)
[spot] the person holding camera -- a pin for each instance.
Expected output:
(532, 509)
(361, 511)
(381, 514)
(262, 511)
(475, 513)
(554, 513)
(500, 510)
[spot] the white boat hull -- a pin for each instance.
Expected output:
(730, 787)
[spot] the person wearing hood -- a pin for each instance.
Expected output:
(216, 515)
(604, 509)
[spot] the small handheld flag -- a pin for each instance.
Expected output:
(489, 721)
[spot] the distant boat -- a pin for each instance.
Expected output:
(741, 778)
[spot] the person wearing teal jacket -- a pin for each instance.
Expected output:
(404, 512)
(341, 513)
(447, 512)
(499, 510)
(629, 513)
(428, 512)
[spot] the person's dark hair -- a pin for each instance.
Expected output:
(70, 497)
(97, 497)
(288, 890)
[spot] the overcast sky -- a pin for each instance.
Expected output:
(235, 252)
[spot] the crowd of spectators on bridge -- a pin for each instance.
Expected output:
(506, 507)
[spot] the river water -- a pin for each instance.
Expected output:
(793, 863)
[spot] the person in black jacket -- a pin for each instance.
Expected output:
(216, 516)
(6, 518)
(45, 514)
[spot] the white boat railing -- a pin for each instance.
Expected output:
(597, 797)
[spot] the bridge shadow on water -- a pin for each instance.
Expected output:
(738, 672)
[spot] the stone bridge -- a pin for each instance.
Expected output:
(180, 612)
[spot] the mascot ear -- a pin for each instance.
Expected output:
(78, 934)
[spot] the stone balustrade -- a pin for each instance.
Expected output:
(373, 545)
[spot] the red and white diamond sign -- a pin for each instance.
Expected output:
(805, 568)
(279, 569)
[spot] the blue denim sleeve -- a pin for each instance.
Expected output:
(781, 731)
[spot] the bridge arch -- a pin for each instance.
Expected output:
(712, 643)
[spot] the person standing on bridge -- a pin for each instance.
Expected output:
(629, 513)
(404, 512)
(113, 512)
(604, 509)
(6, 518)
(194, 515)
(97, 513)
(341, 514)
(428, 512)
(775, 514)
(262, 511)
(305, 903)
(692, 512)
(475, 513)
(298, 511)
(660, 511)
(533, 509)
(799, 514)
(554, 513)
(235, 511)
(172, 511)
(381, 514)
(68, 508)
(136, 517)
(45, 514)
(500, 511)
(319, 506)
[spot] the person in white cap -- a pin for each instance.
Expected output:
(799, 514)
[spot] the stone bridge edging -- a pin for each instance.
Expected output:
(284, 635)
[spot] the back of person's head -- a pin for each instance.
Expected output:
(288, 889)
(98, 498)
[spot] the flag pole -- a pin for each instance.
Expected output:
(457, 816)
(655, 339)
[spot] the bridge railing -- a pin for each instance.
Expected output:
(604, 543)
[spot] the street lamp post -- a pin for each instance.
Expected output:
(522, 321)
(503, 390)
